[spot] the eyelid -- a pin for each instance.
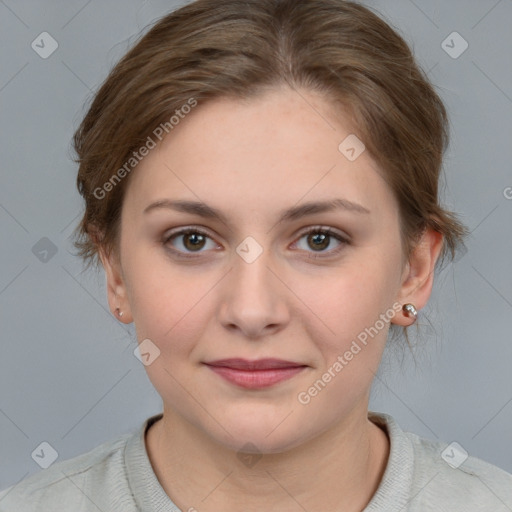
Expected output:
(327, 229)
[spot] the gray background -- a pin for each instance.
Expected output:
(68, 375)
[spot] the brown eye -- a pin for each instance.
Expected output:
(320, 239)
(187, 241)
(193, 241)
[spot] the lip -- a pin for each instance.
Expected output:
(255, 374)
(256, 364)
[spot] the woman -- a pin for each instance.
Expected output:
(261, 188)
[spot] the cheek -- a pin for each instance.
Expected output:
(169, 307)
(349, 335)
(348, 300)
(352, 311)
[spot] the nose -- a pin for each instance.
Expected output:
(254, 298)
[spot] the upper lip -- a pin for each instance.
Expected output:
(258, 364)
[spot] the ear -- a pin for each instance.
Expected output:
(418, 275)
(116, 286)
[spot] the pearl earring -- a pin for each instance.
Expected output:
(410, 311)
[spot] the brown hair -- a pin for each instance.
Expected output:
(232, 48)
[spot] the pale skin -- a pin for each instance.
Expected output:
(251, 160)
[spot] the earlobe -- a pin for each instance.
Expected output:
(116, 288)
(417, 283)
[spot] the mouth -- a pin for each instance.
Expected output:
(255, 374)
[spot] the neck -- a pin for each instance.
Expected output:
(337, 470)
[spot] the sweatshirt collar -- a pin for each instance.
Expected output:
(393, 492)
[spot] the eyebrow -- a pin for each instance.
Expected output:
(296, 212)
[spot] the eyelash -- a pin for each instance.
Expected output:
(315, 229)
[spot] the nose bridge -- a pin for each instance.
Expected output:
(251, 275)
(253, 299)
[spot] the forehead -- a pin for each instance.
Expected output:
(279, 149)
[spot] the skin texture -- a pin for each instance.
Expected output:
(252, 159)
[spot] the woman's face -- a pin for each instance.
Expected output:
(252, 286)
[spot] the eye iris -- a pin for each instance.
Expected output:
(319, 237)
(195, 238)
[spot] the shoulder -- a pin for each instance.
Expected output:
(446, 478)
(77, 484)
(423, 475)
(458, 481)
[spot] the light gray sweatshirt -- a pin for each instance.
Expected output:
(117, 476)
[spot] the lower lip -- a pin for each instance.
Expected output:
(256, 379)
